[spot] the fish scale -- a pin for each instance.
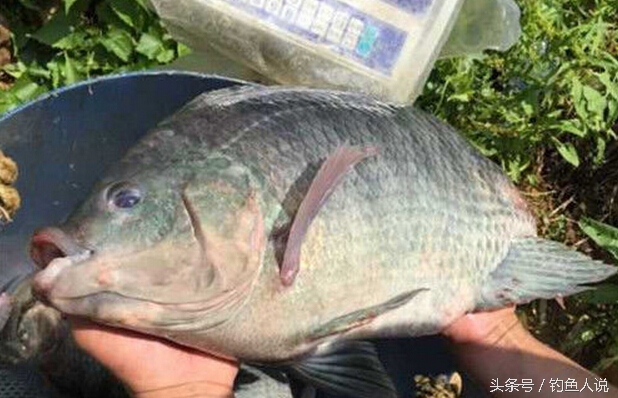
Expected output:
(397, 227)
(438, 164)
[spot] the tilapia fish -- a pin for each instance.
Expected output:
(281, 225)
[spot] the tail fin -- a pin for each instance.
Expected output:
(537, 268)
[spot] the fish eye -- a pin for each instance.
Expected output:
(123, 196)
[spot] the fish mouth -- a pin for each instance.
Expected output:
(53, 250)
(48, 244)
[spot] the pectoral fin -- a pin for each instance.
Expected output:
(328, 177)
(350, 368)
(358, 318)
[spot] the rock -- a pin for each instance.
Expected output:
(438, 387)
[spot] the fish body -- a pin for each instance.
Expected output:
(184, 237)
(428, 213)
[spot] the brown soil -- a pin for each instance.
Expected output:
(560, 197)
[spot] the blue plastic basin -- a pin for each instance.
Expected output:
(63, 141)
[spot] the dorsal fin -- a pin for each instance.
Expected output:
(254, 93)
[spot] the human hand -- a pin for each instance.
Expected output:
(152, 368)
(485, 328)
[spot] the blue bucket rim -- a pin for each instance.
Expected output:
(58, 91)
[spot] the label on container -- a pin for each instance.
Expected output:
(355, 35)
(411, 6)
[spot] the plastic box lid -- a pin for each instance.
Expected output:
(384, 48)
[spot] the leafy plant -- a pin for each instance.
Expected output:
(602, 327)
(557, 88)
(606, 237)
(61, 43)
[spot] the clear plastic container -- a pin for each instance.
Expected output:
(384, 48)
(483, 25)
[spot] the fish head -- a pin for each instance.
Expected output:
(162, 250)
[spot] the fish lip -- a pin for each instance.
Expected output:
(50, 243)
(53, 251)
(44, 281)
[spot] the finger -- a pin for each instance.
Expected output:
(145, 362)
(476, 327)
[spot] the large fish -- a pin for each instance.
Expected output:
(282, 225)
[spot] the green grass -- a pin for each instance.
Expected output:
(557, 88)
(546, 111)
(56, 44)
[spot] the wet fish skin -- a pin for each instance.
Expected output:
(36, 347)
(196, 260)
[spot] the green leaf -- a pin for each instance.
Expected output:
(38, 71)
(144, 4)
(54, 69)
(577, 96)
(58, 27)
(183, 49)
(30, 4)
(573, 126)
(603, 294)
(149, 45)
(603, 234)
(612, 107)
(15, 70)
(600, 152)
(166, 56)
(462, 97)
(596, 102)
(107, 15)
(68, 4)
(70, 74)
(514, 168)
(24, 89)
(119, 42)
(129, 12)
(568, 152)
(74, 40)
(610, 86)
